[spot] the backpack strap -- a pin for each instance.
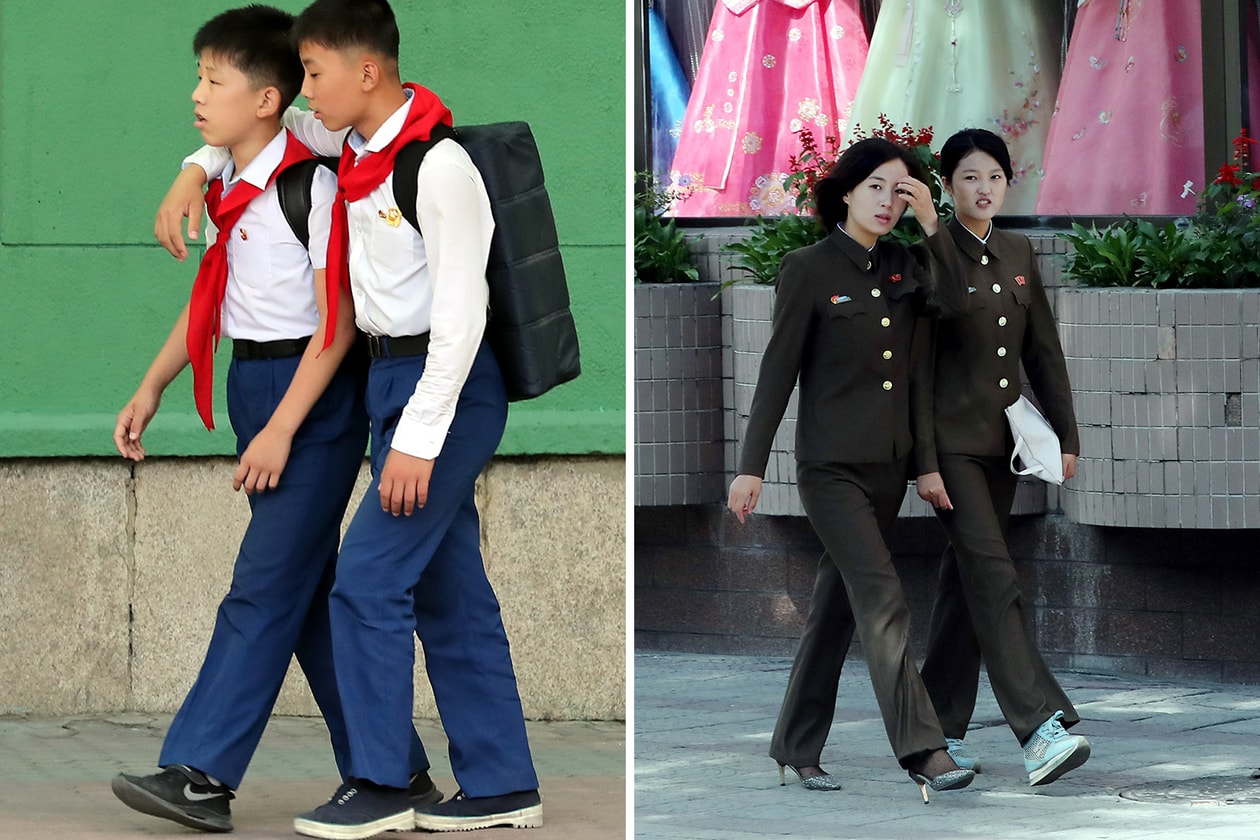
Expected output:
(293, 187)
(407, 168)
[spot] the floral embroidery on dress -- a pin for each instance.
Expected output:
(769, 196)
(794, 35)
(837, 32)
(751, 144)
(1170, 127)
(718, 35)
(767, 61)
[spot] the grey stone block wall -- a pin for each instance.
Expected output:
(678, 431)
(1167, 387)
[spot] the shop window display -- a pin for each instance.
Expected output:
(1105, 121)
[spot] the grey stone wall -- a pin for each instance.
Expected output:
(110, 577)
(1167, 391)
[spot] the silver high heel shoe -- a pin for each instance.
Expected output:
(824, 782)
(949, 780)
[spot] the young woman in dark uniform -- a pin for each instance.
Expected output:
(979, 612)
(845, 320)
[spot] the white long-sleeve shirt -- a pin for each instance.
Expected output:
(405, 284)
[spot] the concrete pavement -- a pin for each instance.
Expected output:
(1171, 760)
(55, 774)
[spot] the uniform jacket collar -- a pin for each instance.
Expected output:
(860, 257)
(998, 245)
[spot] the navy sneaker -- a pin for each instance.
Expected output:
(464, 813)
(358, 810)
(179, 793)
(422, 791)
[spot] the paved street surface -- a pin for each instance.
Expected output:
(55, 774)
(1171, 759)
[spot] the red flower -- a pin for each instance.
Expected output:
(894, 278)
(1019, 278)
(1228, 174)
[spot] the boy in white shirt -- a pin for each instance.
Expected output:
(299, 419)
(438, 409)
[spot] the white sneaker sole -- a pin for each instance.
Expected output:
(1060, 764)
(402, 821)
(531, 817)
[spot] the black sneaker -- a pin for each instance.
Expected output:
(422, 791)
(359, 809)
(178, 793)
(464, 813)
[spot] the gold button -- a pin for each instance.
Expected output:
(1002, 352)
(874, 292)
(1002, 383)
(887, 385)
(885, 322)
(984, 260)
(997, 287)
(1002, 321)
(887, 354)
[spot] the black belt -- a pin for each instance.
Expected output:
(285, 348)
(389, 346)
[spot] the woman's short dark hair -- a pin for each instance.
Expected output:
(854, 166)
(969, 140)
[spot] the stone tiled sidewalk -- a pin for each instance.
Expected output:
(55, 774)
(1171, 759)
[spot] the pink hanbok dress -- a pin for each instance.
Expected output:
(1127, 132)
(769, 68)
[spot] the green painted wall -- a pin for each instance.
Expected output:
(95, 116)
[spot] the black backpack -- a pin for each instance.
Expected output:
(530, 328)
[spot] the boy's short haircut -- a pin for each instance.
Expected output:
(257, 40)
(341, 24)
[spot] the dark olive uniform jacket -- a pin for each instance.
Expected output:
(977, 356)
(845, 320)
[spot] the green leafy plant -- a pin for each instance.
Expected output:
(661, 251)
(762, 250)
(1219, 247)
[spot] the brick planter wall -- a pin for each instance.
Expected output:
(1167, 388)
(678, 432)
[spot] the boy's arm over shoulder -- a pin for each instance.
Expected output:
(307, 128)
(454, 214)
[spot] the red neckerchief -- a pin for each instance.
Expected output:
(206, 304)
(357, 180)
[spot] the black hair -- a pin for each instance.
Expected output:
(969, 140)
(255, 40)
(340, 24)
(854, 166)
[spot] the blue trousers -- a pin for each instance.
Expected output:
(277, 606)
(424, 574)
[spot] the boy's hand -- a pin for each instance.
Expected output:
(263, 461)
(185, 200)
(404, 482)
(131, 424)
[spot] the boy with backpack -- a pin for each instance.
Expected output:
(411, 559)
(299, 419)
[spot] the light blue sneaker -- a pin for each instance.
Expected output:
(1051, 751)
(962, 756)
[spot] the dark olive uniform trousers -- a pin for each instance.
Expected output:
(852, 507)
(979, 611)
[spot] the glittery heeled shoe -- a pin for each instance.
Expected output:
(949, 780)
(824, 782)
